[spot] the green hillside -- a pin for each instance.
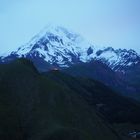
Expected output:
(36, 107)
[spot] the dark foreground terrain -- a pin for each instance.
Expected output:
(57, 106)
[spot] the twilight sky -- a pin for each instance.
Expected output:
(113, 23)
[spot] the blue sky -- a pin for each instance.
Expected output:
(113, 23)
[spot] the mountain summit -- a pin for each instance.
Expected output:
(60, 47)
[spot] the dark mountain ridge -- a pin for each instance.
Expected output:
(55, 106)
(115, 80)
(36, 107)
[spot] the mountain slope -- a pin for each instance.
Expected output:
(56, 46)
(132, 76)
(55, 106)
(97, 93)
(125, 84)
(36, 107)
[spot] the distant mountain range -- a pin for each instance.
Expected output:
(56, 46)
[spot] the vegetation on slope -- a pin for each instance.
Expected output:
(37, 107)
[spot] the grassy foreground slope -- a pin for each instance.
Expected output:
(36, 107)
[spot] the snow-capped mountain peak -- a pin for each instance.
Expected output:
(59, 46)
(118, 59)
(56, 44)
